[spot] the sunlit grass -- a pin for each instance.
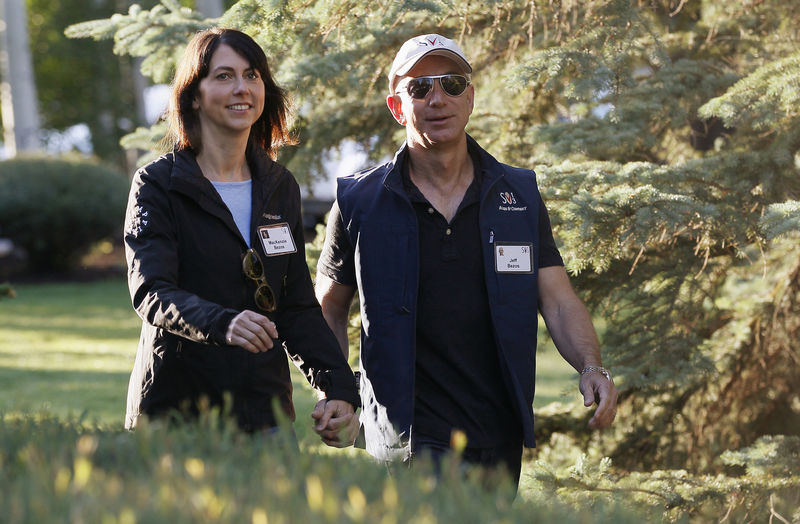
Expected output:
(68, 348)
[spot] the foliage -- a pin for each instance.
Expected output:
(55, 469)
(56, 209)
(765, 487)
(139, 33)
(666, 140)
(78, 81)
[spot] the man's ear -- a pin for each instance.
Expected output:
(395, 105)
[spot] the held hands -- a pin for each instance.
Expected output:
(252, 331)
(335, 422)
(597, 388)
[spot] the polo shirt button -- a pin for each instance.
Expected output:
(430, 210)
(448, 231)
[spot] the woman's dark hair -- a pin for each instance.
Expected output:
(270, 131)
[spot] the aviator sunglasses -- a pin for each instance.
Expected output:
(254, 270)
(419, 87)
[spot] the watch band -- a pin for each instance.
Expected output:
(599, 369)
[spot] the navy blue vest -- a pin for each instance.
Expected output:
(382, 226)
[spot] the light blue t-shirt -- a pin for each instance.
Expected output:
(238, 197)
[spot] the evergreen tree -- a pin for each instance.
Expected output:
(666, 138)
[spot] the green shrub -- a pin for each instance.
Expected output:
(7, 291)
(55, 209)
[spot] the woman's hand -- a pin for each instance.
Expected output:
(252, 331)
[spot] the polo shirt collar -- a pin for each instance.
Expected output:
(488, 170)
(472, 194)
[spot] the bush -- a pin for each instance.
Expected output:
(55, 209)
(7, 291)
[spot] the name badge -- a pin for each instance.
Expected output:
(277, 239)
(513, 258)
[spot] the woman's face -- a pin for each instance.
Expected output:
(231, 98)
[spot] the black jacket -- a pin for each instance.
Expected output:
(184, 255)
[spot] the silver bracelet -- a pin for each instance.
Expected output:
(599, 369)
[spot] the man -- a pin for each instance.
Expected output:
(452, 255)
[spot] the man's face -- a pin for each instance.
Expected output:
(438, 119)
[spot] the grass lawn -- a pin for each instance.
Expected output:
(68, 348)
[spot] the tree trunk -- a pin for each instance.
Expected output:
(18, 89)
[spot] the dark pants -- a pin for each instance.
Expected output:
(493, 463)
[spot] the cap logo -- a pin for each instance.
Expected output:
(414, 49)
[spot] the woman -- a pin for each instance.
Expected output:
(214, 246)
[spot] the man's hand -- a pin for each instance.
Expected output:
(335, 422)
(597, 388)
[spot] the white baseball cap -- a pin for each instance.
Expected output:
(416, 48)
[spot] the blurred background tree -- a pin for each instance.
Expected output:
(86, 94)
(63, 96)
(666, 139)
(88, 98)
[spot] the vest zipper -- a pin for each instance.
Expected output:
(407, 308)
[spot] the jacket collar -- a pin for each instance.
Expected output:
(393, 179)
(187, 178)
(266, 173)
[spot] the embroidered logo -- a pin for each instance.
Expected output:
(507, 198)
(137, 221)
(269, 216)
(508, 202)
(431, 42)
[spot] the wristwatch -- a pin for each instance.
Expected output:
(599, 369)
